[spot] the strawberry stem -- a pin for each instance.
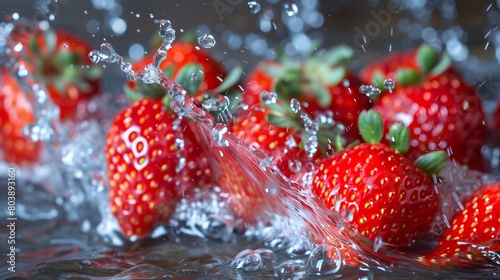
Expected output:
(370, 126)
(432, 163)
(399, 137)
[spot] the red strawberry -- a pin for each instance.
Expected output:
(390, 67)
(15, 113)
(320, 83)
(59, 60)
(441, 110)
(474, 234)
(195, 69)
(146, 150)
(377, 189)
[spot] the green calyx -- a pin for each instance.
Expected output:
(371, 129)
(430, 63)
(313, 76)
(432, 163)
(370, 126)
(59, 66)
(399, 138)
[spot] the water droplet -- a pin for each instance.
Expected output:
(465, 105)
(22, 71)
(294, 165)
(389, 84)
(311, 146)
(369, 90)
(325, 259)
(218, 135)
(285, 271)
(65, 45)
(248, 260)
(269, 97)
(86, 12)
(18, 47)
(196, 75)
(94, 56)
(207, 41)
(86, 263)
(364, 89)
(254, 7)
(346, 83)
(295, 105)
(290, 9)
(310, 126)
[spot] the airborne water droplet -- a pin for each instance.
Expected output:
(465, 105)
(290, 9)
(254, 7)
(294, 165)
(295, 105)
(389, 84)
(269, 97)
(196, 75)
(207, 41)
(311, 146)
(94, 56)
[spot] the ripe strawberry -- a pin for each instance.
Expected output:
(195, 69)
(321, 83)
(146, 150)
(15, 113)
(473, 237)
(203, 77)
(386, 196)
(59, 60)
(441, 110)
(393, 65)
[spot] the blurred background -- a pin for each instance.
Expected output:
(247, 31)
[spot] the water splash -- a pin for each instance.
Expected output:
(288, 206)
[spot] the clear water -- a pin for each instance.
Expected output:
(64, 228)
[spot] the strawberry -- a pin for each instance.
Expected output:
(59, 60)
(321, 84)
(390, 67)
(377, 189)
(146, 150)
(473, 237)
(195, 69)
(441, 110)
(203, 77)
